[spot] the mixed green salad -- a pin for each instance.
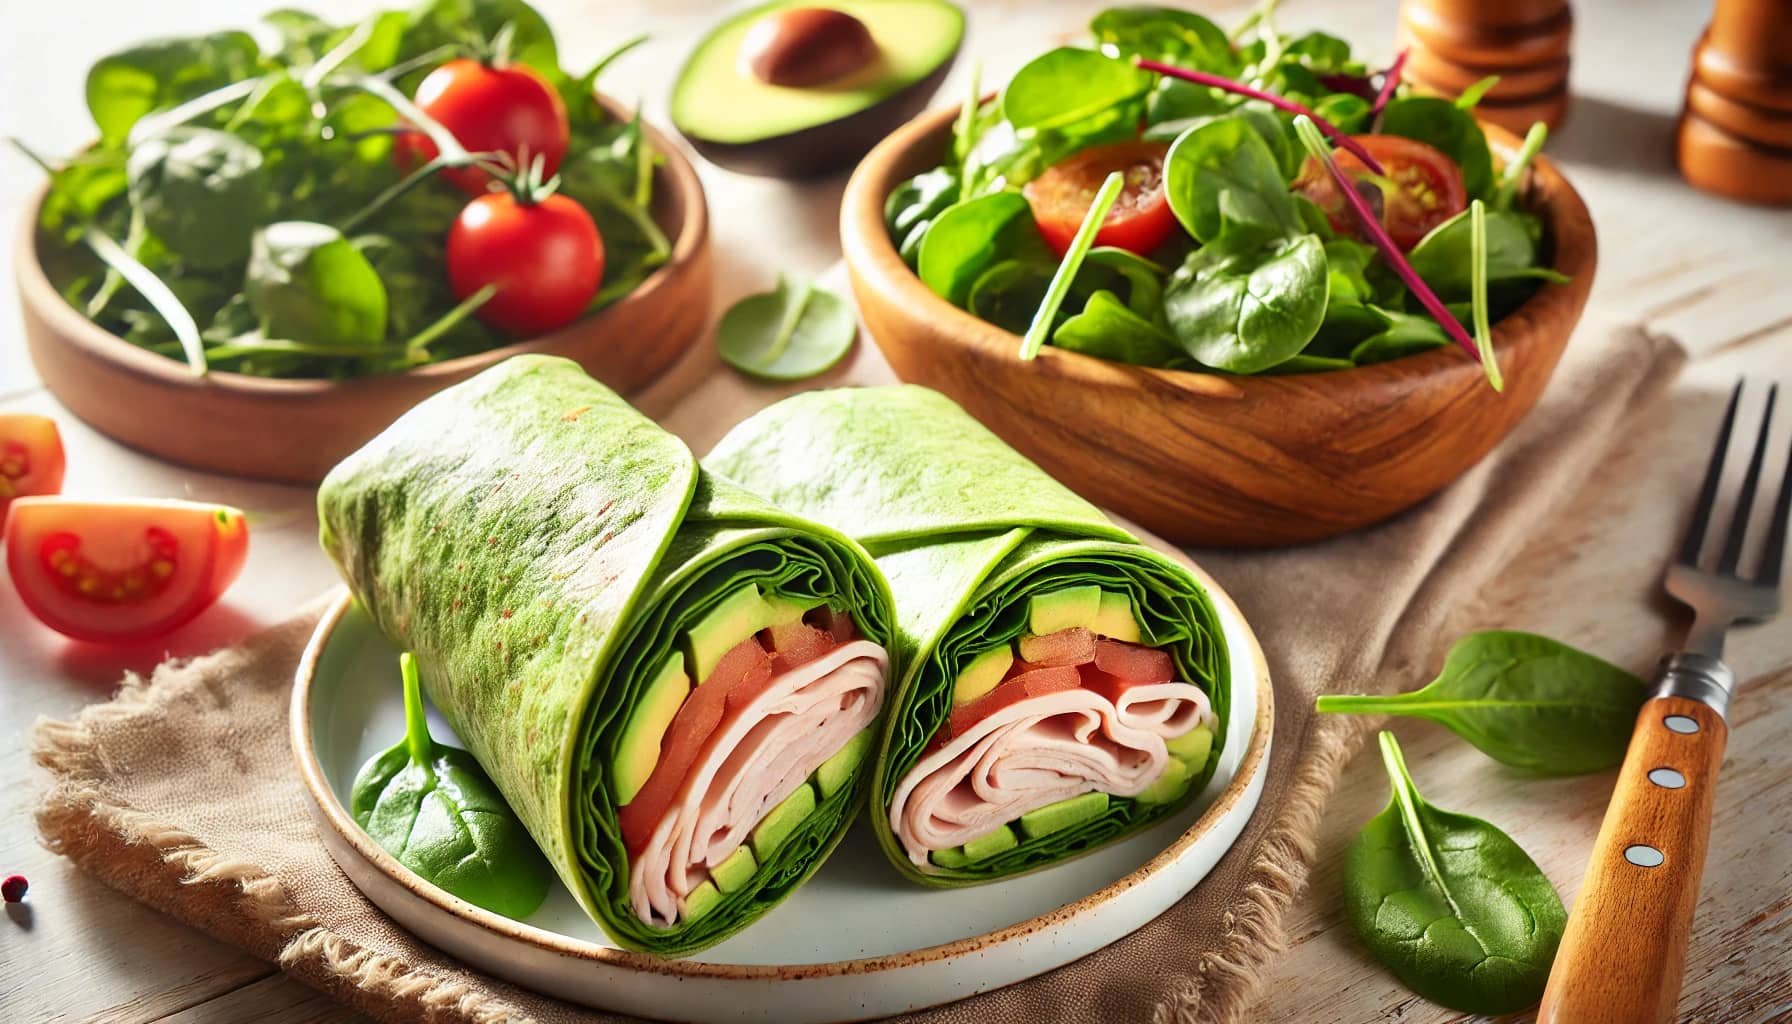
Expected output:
(319, 200)
(1252, 202)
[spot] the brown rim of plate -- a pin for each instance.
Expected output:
(674, 174)
(324, 798)
(869, 252)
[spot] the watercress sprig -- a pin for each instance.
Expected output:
(1041, 327)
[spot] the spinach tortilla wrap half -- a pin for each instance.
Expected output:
(1063, 685)
(673, 683)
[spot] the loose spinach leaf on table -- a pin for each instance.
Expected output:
(1456, 909)
(1523, 700)
(1223, 184)
(202, 192)
(307, 282)
(433, 807)
(794, 331)
(1246, 307)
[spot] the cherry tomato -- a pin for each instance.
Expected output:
(489, 110)
(117, 572)
(545, 257)
(1140, 220)
(1430, 187)
(31, 460)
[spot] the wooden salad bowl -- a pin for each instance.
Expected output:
(295, 430)
(1212, 458)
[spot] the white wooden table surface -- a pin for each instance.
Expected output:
(1713, 274)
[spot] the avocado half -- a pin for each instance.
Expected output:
(737, 120)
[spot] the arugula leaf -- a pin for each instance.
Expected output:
(433, 808)
(1456, 909)
(1524, 700)
(1246, 308)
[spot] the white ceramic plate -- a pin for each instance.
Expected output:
(856, 942)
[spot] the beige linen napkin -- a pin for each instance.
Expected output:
(181, 791)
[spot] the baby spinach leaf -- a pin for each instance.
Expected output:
(1449, 903)
(912, 206)
(1107, 329)
(1223, 183)
(794, 331)
(1126, 274)
(1523, 700)
(201, 191)
(1064, 86)
(1008, 294)
(1246, 308)
(1452, 130)
(1444, 257)
(1401, 334)
(1164, 33)
(432, 807)
(124, 86)
(448, 23)
(971, 236)
(306, 282)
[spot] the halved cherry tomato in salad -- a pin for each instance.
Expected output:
(545, 257)
(31, 459)
(490, 109)
(117, 572)
(1428, 187)
(1140, 220)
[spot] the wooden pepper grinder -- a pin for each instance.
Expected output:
(1736, 129)
(1452, 44)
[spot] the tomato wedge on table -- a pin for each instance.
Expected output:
(115, 572)
(1428, 187)
(31, 459)
(1140, 220)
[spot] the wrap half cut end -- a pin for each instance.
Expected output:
(673, 683)
(1061, 686)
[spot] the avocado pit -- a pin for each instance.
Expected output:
(804, 47)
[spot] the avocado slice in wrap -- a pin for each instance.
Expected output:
(546, 551)
(968, 532)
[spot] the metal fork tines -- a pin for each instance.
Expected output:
(1725, 594)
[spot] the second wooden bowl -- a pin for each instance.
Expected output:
(1209, 458)
(294, 431)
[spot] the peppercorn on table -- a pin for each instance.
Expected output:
(1708, 272)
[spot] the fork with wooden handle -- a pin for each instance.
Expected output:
(1621, 958)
